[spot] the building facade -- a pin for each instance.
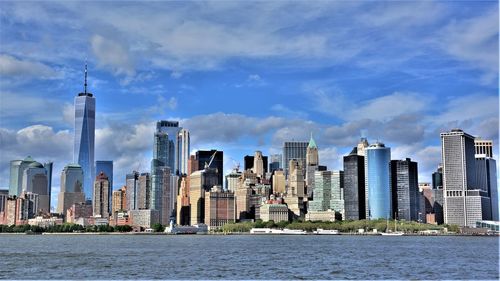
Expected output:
(378, 158)
(71, 188)
(183, 150)
(83, 151)
(119, 200)
(405, 190)
(100, 202)
(294, 150)
(220, 207)
(354, 186)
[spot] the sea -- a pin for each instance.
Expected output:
(235, 257)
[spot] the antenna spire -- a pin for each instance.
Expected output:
(85, 84)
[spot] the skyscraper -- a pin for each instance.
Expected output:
(132, 183)
(437, 178)
(378, 158)
(337, 202)
(200, 182)
(183, 150)
(354, 186)
(83, 152)
(107, 168)
(71, 188)
(464, 201)
(144, 191)
(312, 162)
(100, 202)
(35, 180)
(166, 149)
(294, 150)
(487, 181)
(249, 163)
(259, 166)
(405, 194)
(203, 157)
(119, 201)
(17, 176)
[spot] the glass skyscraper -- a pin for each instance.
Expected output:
(83, 152)
(107, 168)
(294, 150)
(378, 158)
(405, 193)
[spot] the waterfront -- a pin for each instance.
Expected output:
(247, 257)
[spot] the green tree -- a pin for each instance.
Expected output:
(157, 227)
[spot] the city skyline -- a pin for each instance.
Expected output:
(240, 99)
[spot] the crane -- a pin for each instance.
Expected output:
(211, 160)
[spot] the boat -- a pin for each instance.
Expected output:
(276, 231)
(188, 229)
(395, 233)
(293, 231)
(260, 231)
(321, 231)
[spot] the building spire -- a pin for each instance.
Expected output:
(85, 83)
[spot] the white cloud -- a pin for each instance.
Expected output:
(11, 66)
(112, 54)
(384, 107)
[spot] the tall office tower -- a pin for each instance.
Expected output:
(219, 207)
(199, 182)
(49, 167)
(464, 201)
(378, 158)
(296, 179)
(144, 191)
(233, 179)
(83, 152)
(337, 202)
(183, 150)
(258, 164)
(119, 200)
(323, 192)
(100, 202)
(167, 150)
(354, 186)
(484, 147)
(71, 188)
(183, 208)
(275, 162)
(361, 150)
(279, 182)
(204, 156)
(405, 190)
(35, 179)
(437, 206)
(312, 162)
(162, 197)
(107, 168)
(487, 181)
(294, 150)
(132, 183)
(18, 180)
(249, 163)
(437, 178)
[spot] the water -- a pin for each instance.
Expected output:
(247, 257)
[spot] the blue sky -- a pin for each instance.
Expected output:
(243, 76)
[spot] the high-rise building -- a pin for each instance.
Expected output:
(337, 202)
(107, 168)
(250, 161)
(83, 152)
(183, 207)
(361, 150)
(437, 178)
(483, 147)
(405, 190)
(165, 150)
(4, 194)
(323, 191)
(275, 162)
(35, 179)
(312, 165)
(144, 191)
(259, 167)
(200, 182)
(362, 146)
(233, 179)
(163, 193)
(354, 186)
(204, 156)
(378, 158)
(100, 202)
(71, 188)
(219, 207)
(294, 150)
(460, 180)
(119, 200)
(279, 182)
(296, 179)
(132, 183)
(487, 181)
(183, 150)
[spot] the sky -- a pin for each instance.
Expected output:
(244, 76)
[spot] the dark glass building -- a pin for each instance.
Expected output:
(203, 156)
(405, 194)
(354, 186)
(437, 179)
